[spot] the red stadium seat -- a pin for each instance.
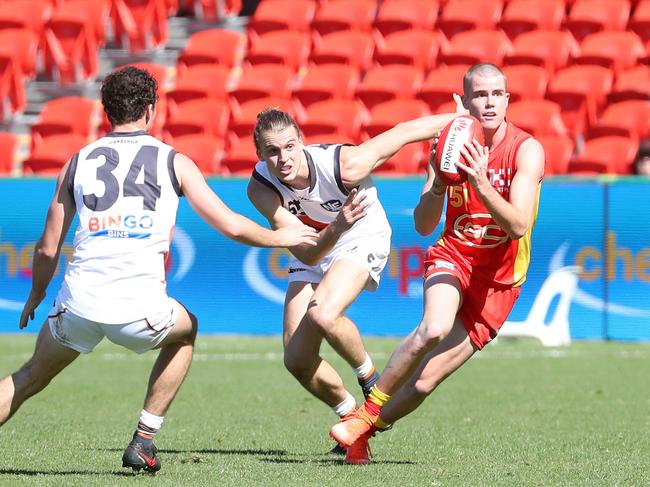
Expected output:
(213, 9)
(606, 155)
(558, 150)
(244, 117)
(281, 15)
(537, 117)
(8, 147)
(66, 115)
(522, 16)
(201, 81)
(346, 47)
(589, 16)
(240, 158)
(476, 46)
(580, 91)
(464, 15)
(549, 49)
(629, 118)
(440, 85)
(22, 44)
(526, 82)
(417, 48)
(340, 15)
(49, 157)
(384, 116)
(612, 49)
(332, 116)
(70, 48)
(383, 83)
(140, 25)
(262, 81)
(406, 15)
(407, 160)
(640, 20)
(205, 150)
(95, 13)
(280, 47)
(326, 81)
(201, 116)
(200, 48)
(12, 86)
(26, 14)
(631, 84)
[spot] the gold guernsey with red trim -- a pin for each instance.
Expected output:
(471, 230)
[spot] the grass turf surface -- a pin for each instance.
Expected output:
(516, 414)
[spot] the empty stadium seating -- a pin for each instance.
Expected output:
(417, 48)
(383, 83)
(522, 16)
(326, 81)
(345, 69)
(200, 48)
(406, 15)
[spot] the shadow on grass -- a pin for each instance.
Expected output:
(333, 461)
(33, 473)
(210, 451)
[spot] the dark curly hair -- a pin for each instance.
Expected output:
(126, 92)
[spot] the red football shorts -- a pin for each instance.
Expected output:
(484, 307)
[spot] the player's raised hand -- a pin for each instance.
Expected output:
(352, 210)
(297, 234)
(434, 146)
(460, 109)
(476, 158)
(28, 310)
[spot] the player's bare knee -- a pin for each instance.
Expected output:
(191, 335)
(322, 317)
(428, 335)
(424, 386)
(296, 365)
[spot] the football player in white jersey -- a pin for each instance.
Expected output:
(125, 189)
(328, 187)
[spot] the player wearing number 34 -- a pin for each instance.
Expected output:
(125, 188)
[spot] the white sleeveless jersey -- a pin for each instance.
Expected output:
(126, 194)
(318, 205)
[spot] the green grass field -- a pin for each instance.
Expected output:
(516, 414)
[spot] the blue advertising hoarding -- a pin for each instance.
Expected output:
(236, 289)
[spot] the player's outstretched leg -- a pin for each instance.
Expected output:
(166, 378)
(50, 358)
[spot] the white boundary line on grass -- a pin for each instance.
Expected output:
(554, 353)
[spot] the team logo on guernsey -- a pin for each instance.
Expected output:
(332, 205)
(479, 230)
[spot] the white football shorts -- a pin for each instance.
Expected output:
(371, 253)
(83, 335)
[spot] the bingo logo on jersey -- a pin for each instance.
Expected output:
(120, 226)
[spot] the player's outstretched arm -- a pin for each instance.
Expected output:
(268, 204)
(357, 162)
(46, 251)
(231, 224)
